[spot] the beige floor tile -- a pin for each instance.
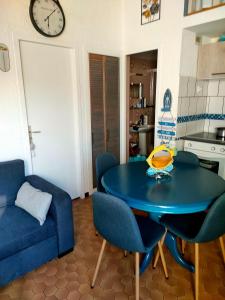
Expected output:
(69, 278)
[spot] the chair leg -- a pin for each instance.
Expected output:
(222, 248)
(98, 263)
(183, 245)
(163, 260)
(137, 271)
(196, 271)
(157, 253)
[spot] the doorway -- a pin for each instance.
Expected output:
(141, 99)
(49, 95)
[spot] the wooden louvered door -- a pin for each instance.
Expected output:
(105, 114)
(112, 105)
(97, 108)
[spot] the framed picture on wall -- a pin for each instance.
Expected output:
(150, 11)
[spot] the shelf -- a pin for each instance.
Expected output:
(134, 108)
(204, 9)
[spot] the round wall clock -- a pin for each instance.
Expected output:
(47, 17)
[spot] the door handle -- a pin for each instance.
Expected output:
(36, 131)
(31, 131)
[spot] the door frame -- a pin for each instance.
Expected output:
(127, 93)
(78, 156)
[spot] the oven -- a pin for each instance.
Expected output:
(211, 156)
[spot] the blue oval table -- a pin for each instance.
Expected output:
(189, 189)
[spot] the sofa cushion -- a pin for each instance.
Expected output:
(19, 230)
(11, 178)
(34, 201)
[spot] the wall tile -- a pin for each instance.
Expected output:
(213, 124)
(207, 104)
(206, 125)
(181, 130)
(183, 89)
(213, 88)
(191, 86)
(199, 88)
(201, 105)
(200, 126)
(179, 106)
(205, 88)
(215, 105)
(193, 106)
(184, 106)
(192, 127)
(222, 88)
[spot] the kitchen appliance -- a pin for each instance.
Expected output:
(212, 156)
(221, 132)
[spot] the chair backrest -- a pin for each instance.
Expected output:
(115, 221)
(214, 223)
(187, 157)
(104, 162)
(11, 178)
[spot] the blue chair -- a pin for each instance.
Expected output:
(187, 157)
(117, 224)
(104, 162)
(199, 228)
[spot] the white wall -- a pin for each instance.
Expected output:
(91, 26)
(166, 36)
(109, 27)
(189, 54)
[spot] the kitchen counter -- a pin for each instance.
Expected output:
(205, 137)
(142, 129)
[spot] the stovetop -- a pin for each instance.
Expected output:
(205, 137)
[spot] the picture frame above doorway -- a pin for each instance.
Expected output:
(150, 11)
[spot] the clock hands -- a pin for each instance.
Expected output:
(47, 18)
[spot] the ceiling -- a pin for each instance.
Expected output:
(212, 29)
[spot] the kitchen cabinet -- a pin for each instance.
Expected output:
(105, 106)
(211, 61)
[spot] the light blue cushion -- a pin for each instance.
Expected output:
(19, 230)
(34, 201)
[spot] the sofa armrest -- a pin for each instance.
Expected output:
(60, 210)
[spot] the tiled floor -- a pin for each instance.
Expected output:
(69, 278)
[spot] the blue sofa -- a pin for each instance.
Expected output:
(24, 244)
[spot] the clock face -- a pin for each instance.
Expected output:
(47, 17)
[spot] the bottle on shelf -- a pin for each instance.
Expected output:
(145, 102)
(140, 90)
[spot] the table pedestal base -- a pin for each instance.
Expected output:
(171, 243)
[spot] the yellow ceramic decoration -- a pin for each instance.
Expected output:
(163, 161)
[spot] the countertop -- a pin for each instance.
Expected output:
(205, 137)
(142, 129)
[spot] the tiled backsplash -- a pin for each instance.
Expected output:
(201, 105)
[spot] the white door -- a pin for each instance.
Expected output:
(48, 86)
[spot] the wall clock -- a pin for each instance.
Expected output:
(47, 17)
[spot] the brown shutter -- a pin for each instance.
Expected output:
(112, 105)
(97, 104)
(105, 106)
